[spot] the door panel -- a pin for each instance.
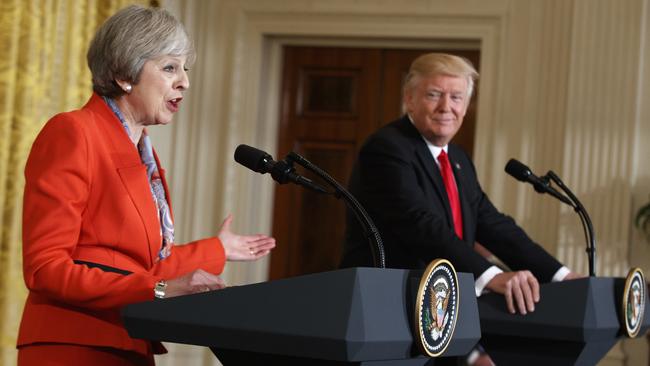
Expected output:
(328, 101)
(318, 248)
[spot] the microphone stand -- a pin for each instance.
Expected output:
(369, 228)
(584, 218)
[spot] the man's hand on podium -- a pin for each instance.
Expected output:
(520, 288)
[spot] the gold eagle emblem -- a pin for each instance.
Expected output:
(438, 307)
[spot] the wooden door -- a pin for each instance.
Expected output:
(332, 99)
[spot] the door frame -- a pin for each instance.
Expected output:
(253, 108)
(297, 255)
(271, 96)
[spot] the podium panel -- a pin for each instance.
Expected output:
(575, 323)
(348, 316)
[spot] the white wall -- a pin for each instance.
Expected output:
(563, 86)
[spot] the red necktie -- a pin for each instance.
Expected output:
(452, 192)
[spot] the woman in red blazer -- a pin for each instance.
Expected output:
(97, 226)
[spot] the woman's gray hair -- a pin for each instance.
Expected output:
(432, 64)
(127, 40)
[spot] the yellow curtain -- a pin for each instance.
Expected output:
(42, 72)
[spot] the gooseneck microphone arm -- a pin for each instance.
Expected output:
(542, 185)
(283, 172)
(584, 217)
(369, 228)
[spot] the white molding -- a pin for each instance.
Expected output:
(261, 37)
(563, 85)
(540, 69)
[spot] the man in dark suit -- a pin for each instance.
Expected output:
(424, 196)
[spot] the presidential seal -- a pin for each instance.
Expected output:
(436, 308)
(633, 302)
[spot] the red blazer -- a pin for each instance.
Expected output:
(87, 198)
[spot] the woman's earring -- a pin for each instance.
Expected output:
(128, 88)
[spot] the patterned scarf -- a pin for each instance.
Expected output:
(155, 184)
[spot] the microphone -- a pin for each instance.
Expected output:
(542, 185)
(254, 159)
(281, 171)
(523, 173)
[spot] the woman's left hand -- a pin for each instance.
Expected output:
(244, 247)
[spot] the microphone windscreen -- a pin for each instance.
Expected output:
(518, 170)
(252, 158)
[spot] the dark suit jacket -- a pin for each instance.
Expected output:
(397, 181)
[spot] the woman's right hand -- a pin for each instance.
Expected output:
(193, 282)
